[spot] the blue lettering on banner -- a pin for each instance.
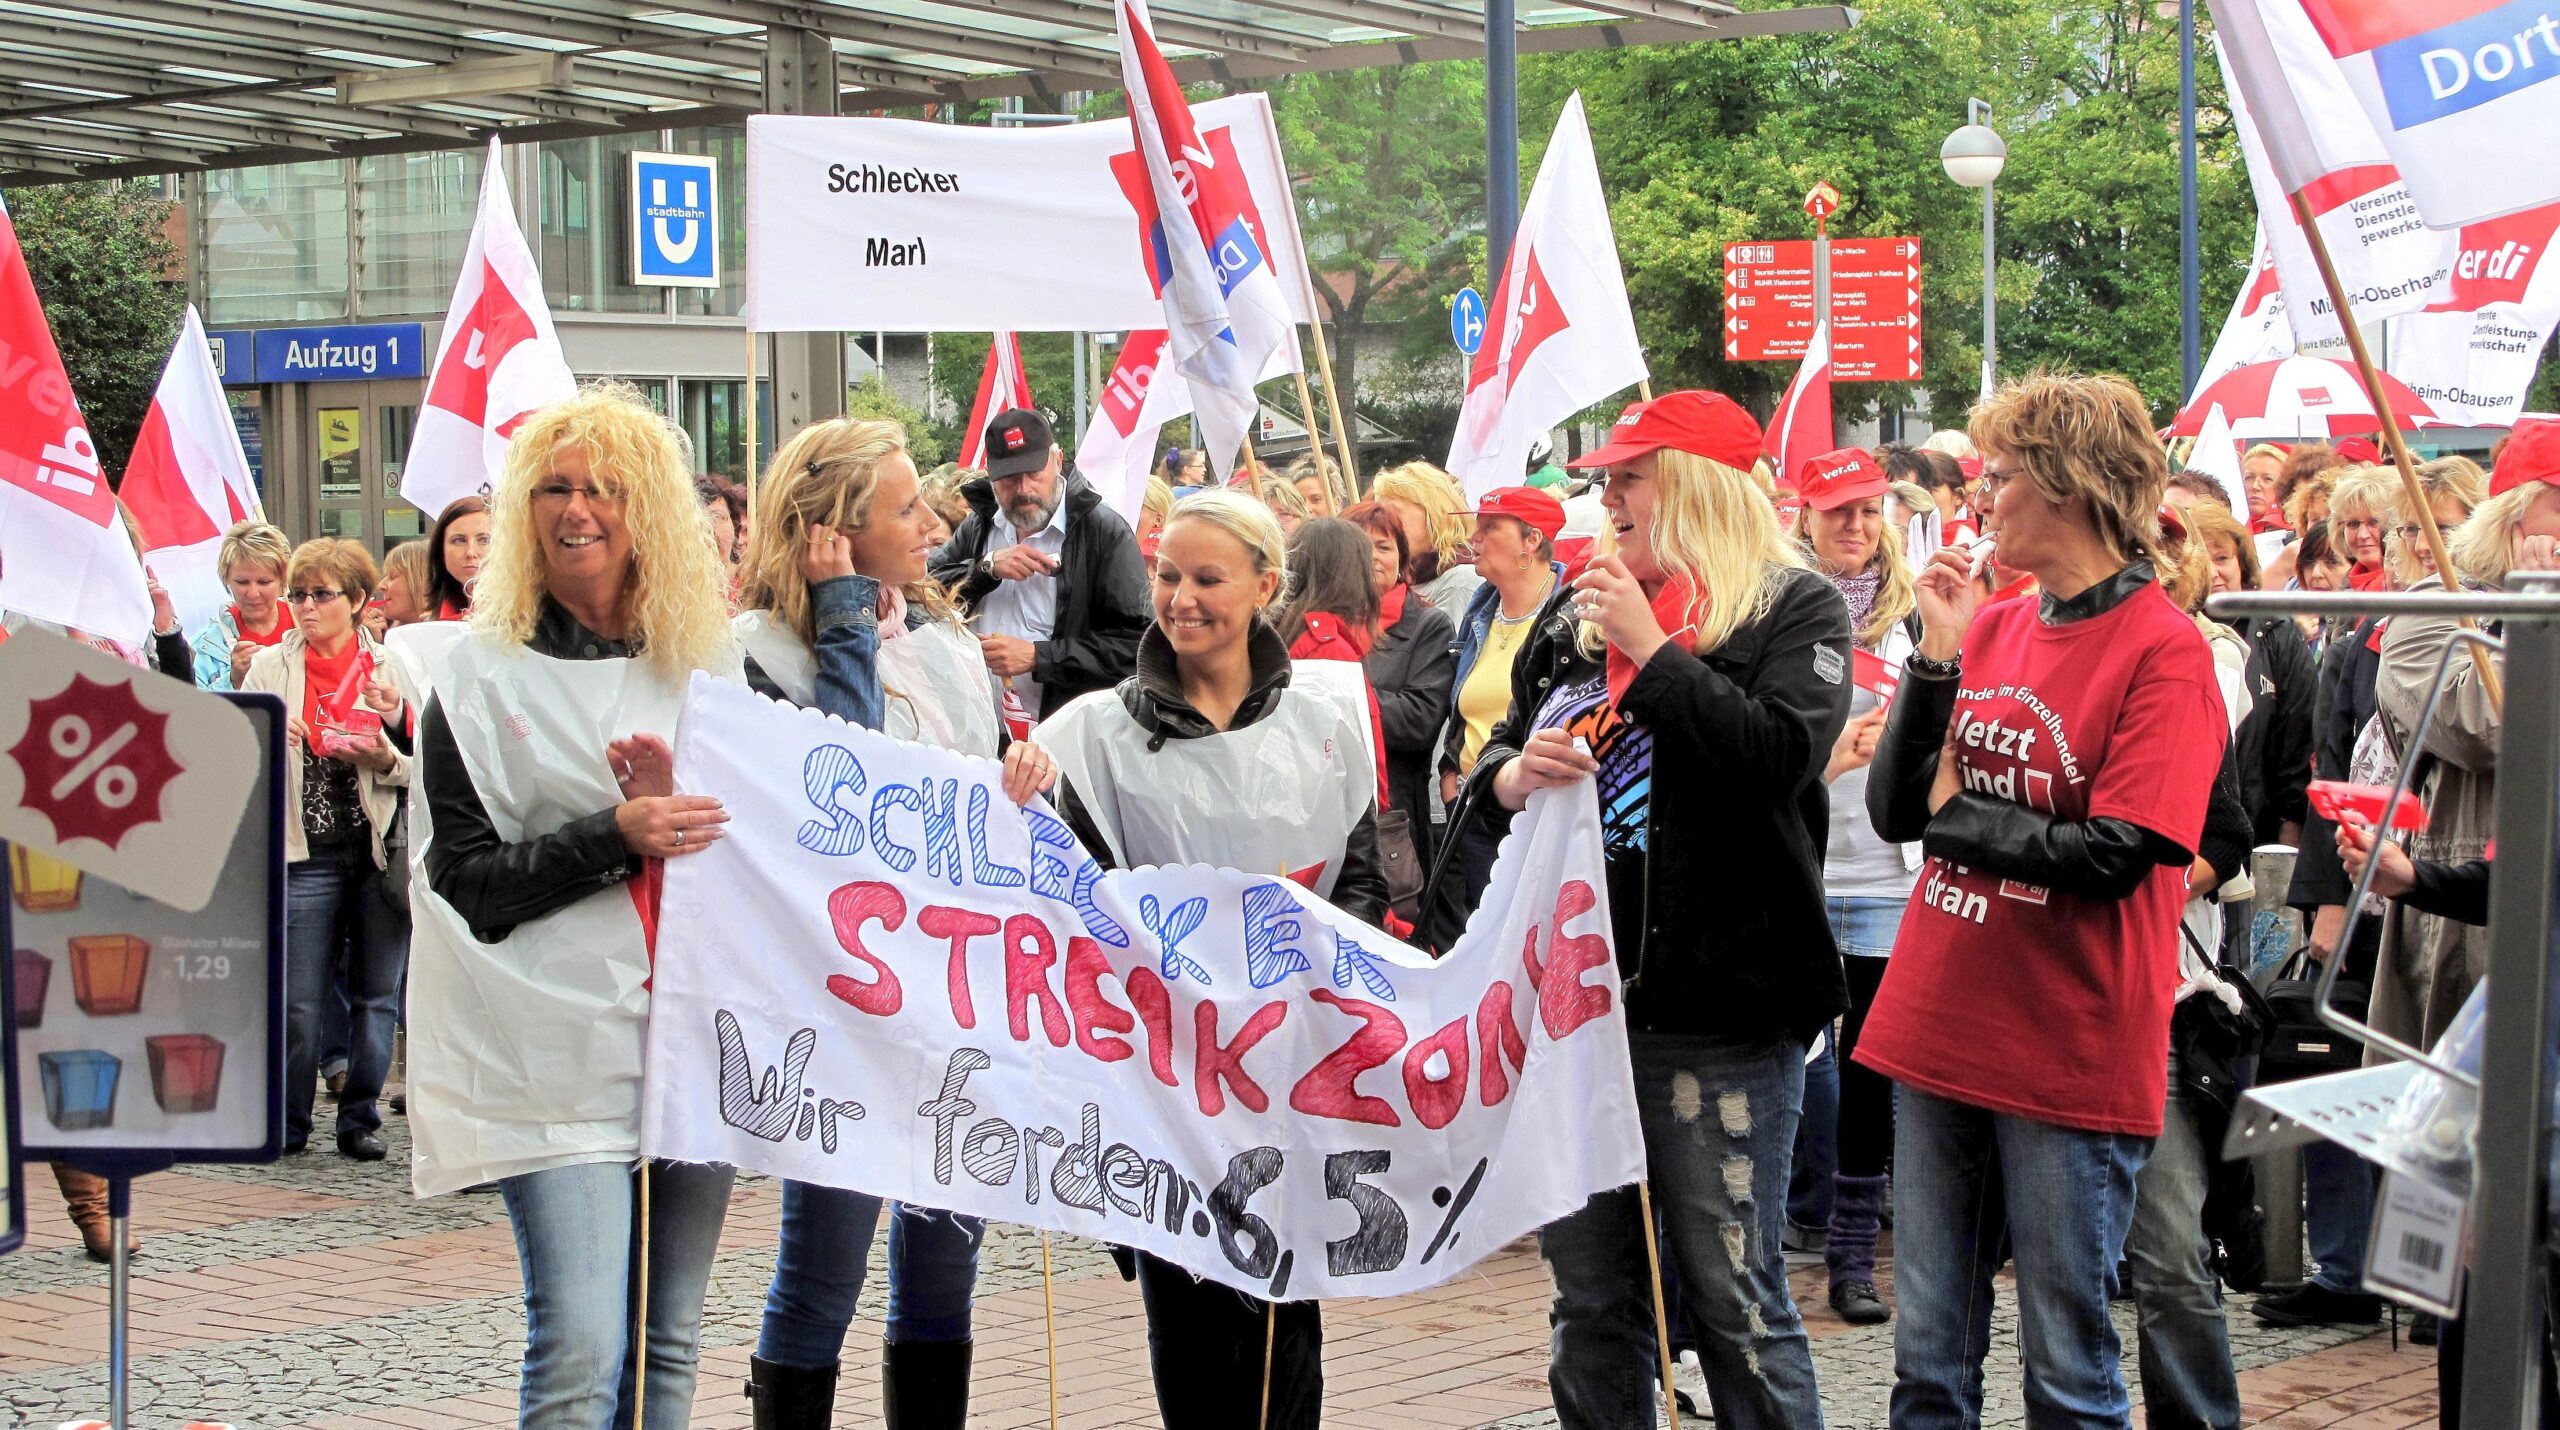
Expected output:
(1235, 255)
(2469, 63)
(674, 236)
(347, 354)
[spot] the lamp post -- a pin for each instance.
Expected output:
(1973, 156)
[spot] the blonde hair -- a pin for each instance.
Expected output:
(2263, 449)
(825, 475)
(252, 541)
(408, 561)
(2319, 486)
(1953, 441)
(1713, 529)
(346, 563)
(1914, 497)
(1250, 523)
(1158, 501)
(1282, 496)
(2484, 549)
(2457, 477)
(2211, 521)
(674, 598)
(1435, 493)
(2088, 438)
(2185, 565)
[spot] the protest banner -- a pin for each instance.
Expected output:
(1118, 452)
(886, 977)
(956, 228)
(2474, 352)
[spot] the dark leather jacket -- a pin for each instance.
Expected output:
(1102, 589)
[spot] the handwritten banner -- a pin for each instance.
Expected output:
(888, 978)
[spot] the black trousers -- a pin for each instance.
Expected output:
(1866, 1096)
(1206, 1343)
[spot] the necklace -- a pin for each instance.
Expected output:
(1536, 606)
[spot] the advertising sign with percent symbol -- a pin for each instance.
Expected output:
(144, 916)
(1875, 305)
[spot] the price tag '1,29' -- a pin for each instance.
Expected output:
(2415, 1255)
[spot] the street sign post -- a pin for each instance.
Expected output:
(1466, 321)
(1770, 303)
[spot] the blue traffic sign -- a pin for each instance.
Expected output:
(1466, 321)
(674, 203)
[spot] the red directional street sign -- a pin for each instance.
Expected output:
(1875, 305)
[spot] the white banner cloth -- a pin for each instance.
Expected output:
(896, 224)
(188, 480)
(2473, 354)
(887, 978)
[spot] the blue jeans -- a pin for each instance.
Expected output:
(1718, 1122)
(2337, 1212)
(1970, 1188)
(2187, 1378)
(577, 1231)
(333, 907)
(1817, 1149)
(826, 1250)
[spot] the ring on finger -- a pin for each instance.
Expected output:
(679, 838)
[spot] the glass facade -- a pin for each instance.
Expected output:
(727, 143)
(714, 417)
(276, 244)
(582, 242)
(413, 220)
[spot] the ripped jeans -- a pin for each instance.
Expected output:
(1719, 1125)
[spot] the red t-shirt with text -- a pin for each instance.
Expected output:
(2028, 1000)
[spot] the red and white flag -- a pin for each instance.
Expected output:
(1002, 385)
(64, 556)
(2258, 329)
(2473, 353)
(1562, 335)
(498, 362)
(189, 481)
(1119, 447)
(1227, 319)
(1801, 428)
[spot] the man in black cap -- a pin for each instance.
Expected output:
(1051, 576)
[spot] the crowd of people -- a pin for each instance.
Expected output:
(1930, 931)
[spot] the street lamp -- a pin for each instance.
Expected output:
(1973, 156)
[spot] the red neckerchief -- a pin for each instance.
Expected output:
(2272, 521)
(446, 610)
(321, 677)
(2023, 586)
(2368, 578)
(1391, 605)
(274, 637)
(1671, 606)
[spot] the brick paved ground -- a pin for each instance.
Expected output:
(318, 1293)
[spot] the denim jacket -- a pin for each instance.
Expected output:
(846, 612)
(1482, 607)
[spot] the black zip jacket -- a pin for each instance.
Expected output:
(1153, 698)
(1726, 936)
(2093, 858)
(2459, 892)
(493, 884)
(2349, 669)
(1414, 670)
(1102, 588)
(2272, 747)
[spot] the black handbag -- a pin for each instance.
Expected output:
(1401, 861)
(2302, 1045)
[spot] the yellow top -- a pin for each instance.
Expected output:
(1486, 696)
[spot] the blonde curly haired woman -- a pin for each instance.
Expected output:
(1426, 500)
(547, 757)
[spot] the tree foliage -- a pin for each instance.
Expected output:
(108, 276)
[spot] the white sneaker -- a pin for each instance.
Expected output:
(1689, 1387)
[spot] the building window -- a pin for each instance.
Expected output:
(728, 144)
(582, 238)
(276, 243)
(714, 419)
(413, 220)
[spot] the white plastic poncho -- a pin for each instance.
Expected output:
(526, 1054)
(933, 681)
(1280, 795)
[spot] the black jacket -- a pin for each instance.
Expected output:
(2272, 748)
(493, 884)
(1153, 698)
(1102, 589)
(2349, 669)
(1413, 668)
(1727, 936)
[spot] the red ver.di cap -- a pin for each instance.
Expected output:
(1018, 441)
(1835, 479)
(1705, 424)
(2532, 454)
(1527, 505)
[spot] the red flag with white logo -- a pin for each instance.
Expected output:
(64, 556)
(1560, 335)
(497, 362)
(1002, 384)
(1801, 428)
(1119, 448)
(189, 481)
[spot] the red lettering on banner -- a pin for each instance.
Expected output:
(1086, 968)
(1154, 1003)
(1026, 979)
(1535, 971)
(1436, 1100)
(1330, 1087)
(959, 926)
(849, 908)
(1501, 1039)
(1213, 1063)
(1565, 1002)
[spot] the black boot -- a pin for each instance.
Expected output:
(791, 1397)
(924, 1385)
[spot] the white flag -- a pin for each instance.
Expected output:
(2473, 354)
(498, 362)
(1119, 448)
(189, 481)
(1562, 336)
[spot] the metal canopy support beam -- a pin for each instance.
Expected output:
(808, 368)
(1234, 37)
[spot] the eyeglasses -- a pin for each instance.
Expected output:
(299, 596)
(1996, 480)
(2411, 531)
(559, 494)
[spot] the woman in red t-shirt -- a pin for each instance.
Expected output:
(2054, 757)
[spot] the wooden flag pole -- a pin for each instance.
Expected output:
(1332, 401)
(640, 1327)
(1307, 414)
(1049, 1314)
(2416, 495)
(749, 467)
(1661, 1320)
(1270, 1342)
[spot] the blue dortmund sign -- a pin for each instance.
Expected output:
(674, 206)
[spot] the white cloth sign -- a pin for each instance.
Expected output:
(2473, 354)
(1142, 394)
(887, 978)
(923, 227)
(188, 481)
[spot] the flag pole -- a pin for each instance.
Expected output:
(1661, 1322)
(1332, 401)
(1307, 414)
(2416, 495)
(749, 467)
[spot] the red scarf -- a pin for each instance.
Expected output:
(1671, 606)
(446, 610)
(2368, 578)
(1391, 606)
(321, 676)
(273, 637)
(2272, 521)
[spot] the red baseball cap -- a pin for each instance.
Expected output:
(2359, 449)
(2172, 522)
(2532, 454)
(1705, 424)
(1835, 479)
(1527, 505)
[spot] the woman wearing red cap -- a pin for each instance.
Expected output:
(1707, 678)
(2054, 758)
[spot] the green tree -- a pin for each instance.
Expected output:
(109, 278)
(869, 399)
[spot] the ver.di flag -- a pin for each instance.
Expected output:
(1119, 447)
(1002, 385)
(498, 361)
(1226, 316)
(2474, 353)
(64, 555)
(1801, 428)
(1563, 336)
(188, 481)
